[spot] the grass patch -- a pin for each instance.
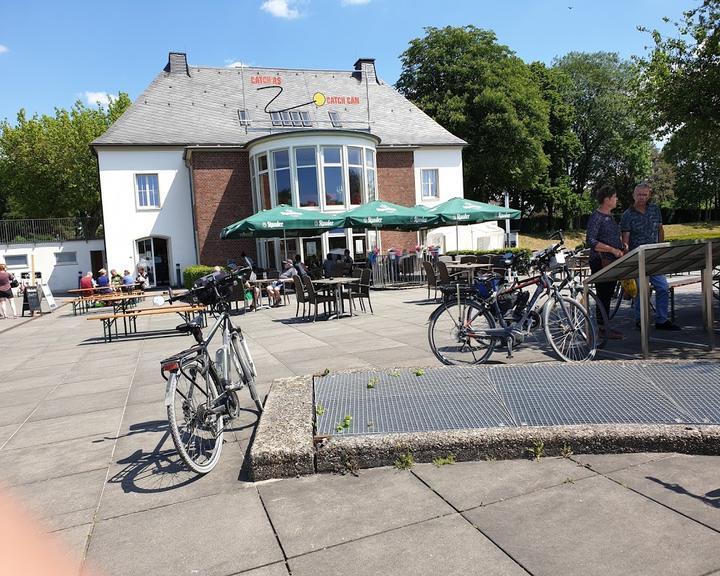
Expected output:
(449, 459)
(405, 461)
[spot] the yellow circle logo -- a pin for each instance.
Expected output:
(319, 99)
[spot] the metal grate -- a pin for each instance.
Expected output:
(544, 394)
(401, 401)
(564, 394)
(694, 386)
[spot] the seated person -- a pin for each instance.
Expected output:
(299, 266)
(128, 282)
(103, 282)
(87, 284)
(116, 279)
(255, 291)
(314, 268)
(328, 265)
(275, 289)
(141, 280)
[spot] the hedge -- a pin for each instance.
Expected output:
(192, 273)
(523, 252)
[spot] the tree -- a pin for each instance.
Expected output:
(614, 144)
(480, 91)
(562, 148)
(680, 81)
(47, 168)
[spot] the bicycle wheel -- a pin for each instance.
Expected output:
(592, 306)
(569, 329)
(245, 366)
(196, 432)
(616, 301)
(455, 333)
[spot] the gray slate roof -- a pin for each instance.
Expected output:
(202, 108)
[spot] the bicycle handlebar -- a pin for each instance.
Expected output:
(214, 283)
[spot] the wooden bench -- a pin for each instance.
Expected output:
(85, 301)
(130, 318)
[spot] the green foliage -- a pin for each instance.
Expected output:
(614, 143)
(522, 252)
(537, 450)
(419, 372)
(372, 382)
(192, 273)
(47, 169)
(319, 410)
(344, 425)
(440, 461)
(482, 92)
(405, 461)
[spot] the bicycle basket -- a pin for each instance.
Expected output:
(204, 289)
(557, 260)
(486, 284)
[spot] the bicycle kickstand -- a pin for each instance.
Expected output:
(509, 343)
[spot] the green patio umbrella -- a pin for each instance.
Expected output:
(283, 221)
(380, 215)
(462, 211)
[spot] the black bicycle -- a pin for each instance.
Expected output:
(201, 392)
(473, 320)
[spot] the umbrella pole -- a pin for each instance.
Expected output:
(284, 244)
(457, 235)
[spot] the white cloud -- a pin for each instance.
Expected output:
(4, 49)
(235, 64)
(354, 2)
(98, 98)
(280, 8)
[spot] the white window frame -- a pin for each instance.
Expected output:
(363, 177)
(138, 204)
(424, 192)
(275, 170)
(66, 262)
(343, 176)
(370, 168)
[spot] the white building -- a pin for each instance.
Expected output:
(203, 147)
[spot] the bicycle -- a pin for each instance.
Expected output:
(472, 320)
(201, 393)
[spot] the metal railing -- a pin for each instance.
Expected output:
(398, 271)
(34, 231)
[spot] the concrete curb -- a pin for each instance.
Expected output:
(284, 445)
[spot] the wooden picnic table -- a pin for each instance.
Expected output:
(82, 302)
(110, 320)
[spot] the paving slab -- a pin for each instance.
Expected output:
(277, 569)
(6, 432)
(546, 532)
(25, 465)
(217, 535)
(81, 404)
(447, 546)
(73, 387)
(606, 463)
(66, 501)
(147, 480)
(73, 541)
(65, 428)
(687, 483)
(16, 414)
(470, 484)
(313, 512)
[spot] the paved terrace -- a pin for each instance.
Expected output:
(84, 444)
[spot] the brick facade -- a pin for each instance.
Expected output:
(221, 186)
(396, 183)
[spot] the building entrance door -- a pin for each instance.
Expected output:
(153, 255)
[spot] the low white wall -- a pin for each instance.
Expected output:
(60, 277)
(448, 162)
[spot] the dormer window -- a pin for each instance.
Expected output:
(335, 119)
(276, 118)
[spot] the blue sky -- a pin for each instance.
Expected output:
(53, 53)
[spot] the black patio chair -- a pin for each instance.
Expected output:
(315, 298)
(363, 291)
(299, 295)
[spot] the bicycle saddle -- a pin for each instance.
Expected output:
(187, 327)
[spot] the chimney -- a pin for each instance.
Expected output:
(366, 69)
(177, 63)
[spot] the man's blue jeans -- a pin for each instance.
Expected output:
(662, 299)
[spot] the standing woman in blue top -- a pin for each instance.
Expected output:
(603, 238)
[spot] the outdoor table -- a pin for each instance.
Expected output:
(470, 268)
(336, 284)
